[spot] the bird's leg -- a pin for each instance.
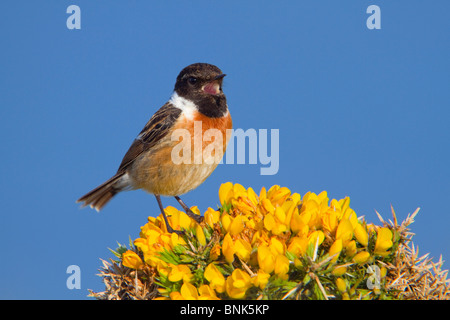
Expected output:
(169, 228)
(189, 212)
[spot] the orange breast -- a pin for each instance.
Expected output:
(156, 172)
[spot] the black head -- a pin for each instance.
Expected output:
(201, 83)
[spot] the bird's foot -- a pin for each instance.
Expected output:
(196, 217)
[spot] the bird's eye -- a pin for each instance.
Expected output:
(192, 80)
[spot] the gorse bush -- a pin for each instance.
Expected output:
(273, 245)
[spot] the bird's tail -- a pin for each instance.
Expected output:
(100, 196)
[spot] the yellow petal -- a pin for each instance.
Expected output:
(361, 257)
(298, 246)
(238, 188)
(226, 221)
(237, 225)
(344, 231)
(215, 252)
(350, 248)
(180, 272)
(200, 235)
(277, 246)
(212, 217)
(281, 265)
(269, 222)
(268, 206)
(228, 248)
(335, 249)
(225, 193)
(189, 292)
(215, 278)
(384, 240)
(261, 279)
(207, 293)
(252, 196)
(242, 249)
(339, 271)
(262, 194)
(329, 220)
(237, 284)
(341, 285)
(266, 259)
(131, 260)
(316, 236)
(280, 214)
(361, 235)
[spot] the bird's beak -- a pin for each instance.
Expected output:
(220, 76)
(214, 87)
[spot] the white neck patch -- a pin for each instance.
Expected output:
(186, 106)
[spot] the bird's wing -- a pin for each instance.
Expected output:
(156, 128)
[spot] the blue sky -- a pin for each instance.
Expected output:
(361, 113)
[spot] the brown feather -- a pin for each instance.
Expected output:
(156, 128)
(98, 197)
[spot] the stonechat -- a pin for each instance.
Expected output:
(148, 164)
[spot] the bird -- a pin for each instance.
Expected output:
(149, 162)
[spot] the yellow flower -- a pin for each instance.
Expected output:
(180, 272)
(298, 246)
(281, 221)
(242, 249)
(281, 265)
(243, 204)
(277, 246)
(261, 279)
(207, 293)
(215, 278)
(252, 196)
(142, 244)
(131, 260)
(269, 222)
(266, 259)
(278, 195)
(258, 229)
(350, 215)
(361, 235)
(344, 231)
(268, 206)
(176, 296)
(289, 206)
(212, 217)
(384, 241)
(344, 204)
(215, 252)
(341, 285)
(383, 272)
(200, 235)
(262, 194)
(238, 189)
(280, 215)
(316, 236)
(225, 193)
(329, 220)
(237, 284)
(226, 221)
(236, 226)
(178, 219)
(187, 292)
(361, 257)
(228, 248)
(350, 248)
(339, 271)
(299, 223)
(335, 249)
